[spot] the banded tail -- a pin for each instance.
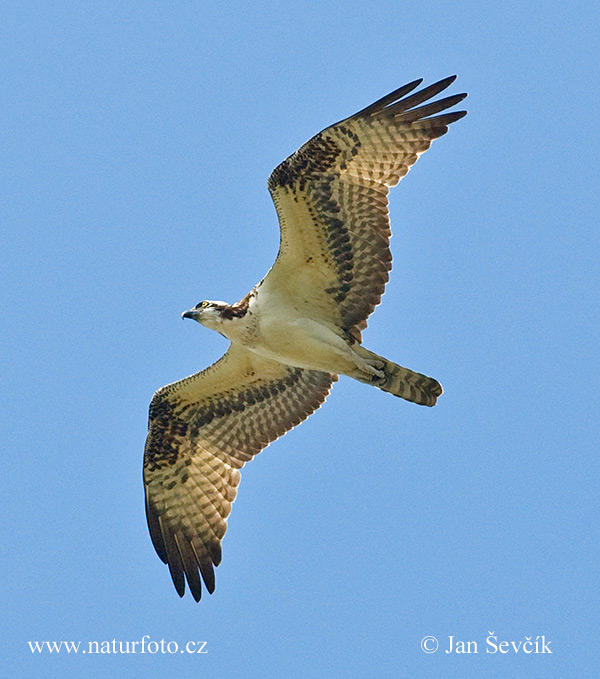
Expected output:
(399, 381)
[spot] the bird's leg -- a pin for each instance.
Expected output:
(371, 366)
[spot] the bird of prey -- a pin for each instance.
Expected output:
(294, 332)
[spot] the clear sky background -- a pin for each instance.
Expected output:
(136, 142)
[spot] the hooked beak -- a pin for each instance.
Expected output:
(192, 313)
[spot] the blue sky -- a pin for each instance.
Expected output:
(137, 139)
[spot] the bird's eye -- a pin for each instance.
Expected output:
(201, 305)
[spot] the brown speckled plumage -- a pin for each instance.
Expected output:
(331, 270)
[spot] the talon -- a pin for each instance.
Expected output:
(376, 372)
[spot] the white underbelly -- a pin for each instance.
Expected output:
(303, 343)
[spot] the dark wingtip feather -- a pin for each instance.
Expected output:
(444, 119)
(155, 530)
(437, 126)
(208, 575)
(390, 98)
(424, 94)
(446, 82)
(190, 565)
(178, 579)
(456, 115)
(215, 552)
(173, 558)
(196, 591)
(433, 107)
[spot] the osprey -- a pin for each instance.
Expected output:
(295, 332)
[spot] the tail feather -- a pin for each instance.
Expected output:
(410, 385)
(399, 381)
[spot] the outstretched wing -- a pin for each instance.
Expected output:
(331, 199)
(202, 430)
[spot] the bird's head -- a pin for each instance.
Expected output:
(209, 314)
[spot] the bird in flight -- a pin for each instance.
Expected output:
(294, 332)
